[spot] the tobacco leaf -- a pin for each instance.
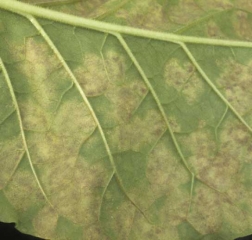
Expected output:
(134, 125)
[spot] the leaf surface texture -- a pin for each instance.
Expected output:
(136, 124)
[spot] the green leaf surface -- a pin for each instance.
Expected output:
(126, 119)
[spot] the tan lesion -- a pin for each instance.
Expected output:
(213, 30)
(107, 8)
(205, 215)
(163, 167)
(244, 4)
(190, 7)
(22, 184)
(145, 14)
(167, 227)
(33, 115)
(216, 4)
(95, 231)
(238, 218)
(12, 152)
(45, 222)
(175, 126)
(116, 66)
(184, 78)
(242, 25)
(126, 99)
(138, 134)
(79, 199)
(73, 119)
(92, 75)
(217, 163)
(235, 81)
(38, 71)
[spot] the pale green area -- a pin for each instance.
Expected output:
(113, 133)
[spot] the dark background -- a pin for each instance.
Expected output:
(8, 232)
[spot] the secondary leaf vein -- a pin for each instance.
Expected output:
(160, 107)
(86, 101)
(8, 81)
(215, 89)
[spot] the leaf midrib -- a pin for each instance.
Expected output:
(17, 7)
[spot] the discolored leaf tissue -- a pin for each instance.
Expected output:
(126, 119)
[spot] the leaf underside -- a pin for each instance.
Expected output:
(107, 135)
